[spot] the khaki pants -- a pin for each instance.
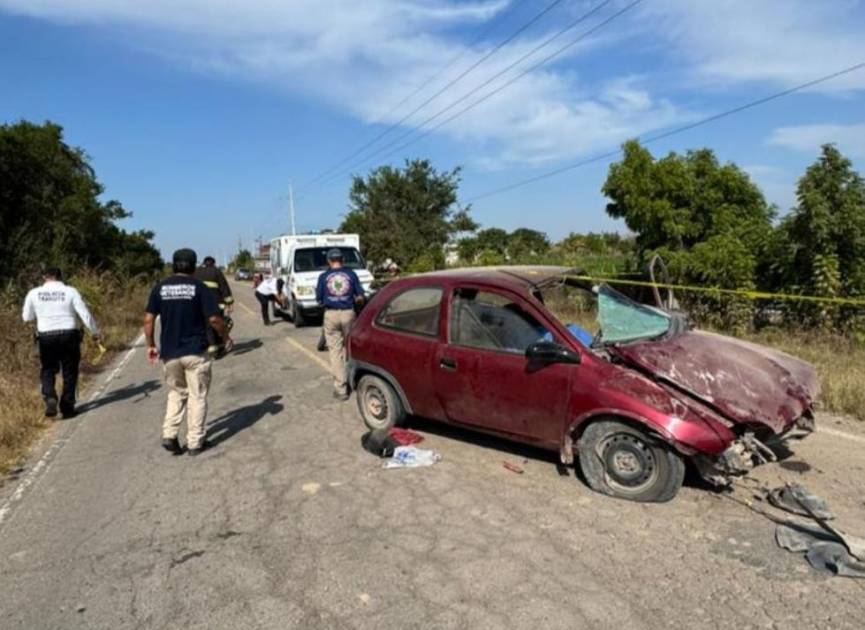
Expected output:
(188, 379)
(336, 326)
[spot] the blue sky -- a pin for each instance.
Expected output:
(197, 113)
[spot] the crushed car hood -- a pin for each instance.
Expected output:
(745, 382)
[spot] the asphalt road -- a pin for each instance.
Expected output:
(287, 523)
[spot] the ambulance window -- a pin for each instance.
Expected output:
(414, 311)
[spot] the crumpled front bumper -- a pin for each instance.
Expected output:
(747, 452)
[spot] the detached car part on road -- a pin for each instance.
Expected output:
(479, 348)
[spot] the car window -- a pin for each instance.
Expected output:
(414, 311)
(622, 319)
(482, 319)
(315, 258)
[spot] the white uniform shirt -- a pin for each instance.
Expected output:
(54, 306)
(267, 287)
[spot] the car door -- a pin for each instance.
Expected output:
(483, 378)
(405, 341)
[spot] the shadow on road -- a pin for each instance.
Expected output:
(245, 347)
(124, 393)
(525, 451)
(226, 426)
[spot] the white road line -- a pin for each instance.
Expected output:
(841, 434)
(116, 371)
(321, 362)
(45, 461)
(296, 345)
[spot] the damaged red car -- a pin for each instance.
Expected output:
(632, 401)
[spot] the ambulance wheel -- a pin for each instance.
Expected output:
(297, 316)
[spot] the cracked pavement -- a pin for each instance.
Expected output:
(286, 522)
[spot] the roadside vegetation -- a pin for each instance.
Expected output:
(51, 214)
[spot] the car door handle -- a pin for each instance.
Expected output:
(448, 364)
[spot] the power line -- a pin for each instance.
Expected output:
(450, 64)
(442, 90)
(506, 84)
(672, 132)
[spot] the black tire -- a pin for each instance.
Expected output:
(297, 315)
(379, 405)
(624, 462)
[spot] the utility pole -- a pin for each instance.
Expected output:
(291, 209)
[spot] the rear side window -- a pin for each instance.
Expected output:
(413, 311)
(493, 322)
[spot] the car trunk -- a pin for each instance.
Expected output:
(744, 382)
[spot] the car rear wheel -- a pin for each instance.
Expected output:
(622, 461)
(379, 405)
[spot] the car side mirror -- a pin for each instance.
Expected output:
(549, 352)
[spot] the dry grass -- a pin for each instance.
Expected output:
(117, 308)
(838, 359)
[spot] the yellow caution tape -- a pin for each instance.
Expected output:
(717, 291)
(746, 293)
(101, 350)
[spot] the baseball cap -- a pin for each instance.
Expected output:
(184, 259)
(334, 254)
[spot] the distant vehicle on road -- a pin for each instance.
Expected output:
(243, 274)
(300, 260)
(633, 402)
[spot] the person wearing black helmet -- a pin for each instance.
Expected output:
(214, 279)
(185, 307)
(338, 291)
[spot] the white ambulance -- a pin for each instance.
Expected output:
(300, 259)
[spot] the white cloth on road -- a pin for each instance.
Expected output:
(54, 306)
(411, 457)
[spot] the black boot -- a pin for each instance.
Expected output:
(172, 446)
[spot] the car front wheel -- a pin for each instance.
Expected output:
(622, 461)
(379, 405)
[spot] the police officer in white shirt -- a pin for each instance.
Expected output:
(54, 307)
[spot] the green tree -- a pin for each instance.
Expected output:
(603, 253)
(708, 220)
(495, 244)
(407, 214)
(51, 214)
(243, 260)
(525, 245)
(819, 247)
(492, 240)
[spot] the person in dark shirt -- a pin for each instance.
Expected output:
(185, 307)
(338, 290)
(214, 279)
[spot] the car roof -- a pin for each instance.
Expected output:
(515, 277)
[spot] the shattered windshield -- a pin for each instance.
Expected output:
(622, 319)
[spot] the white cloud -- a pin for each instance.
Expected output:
(781, 41)
(808, 138)
(364, 57)
(361, 58)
